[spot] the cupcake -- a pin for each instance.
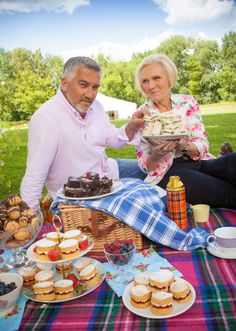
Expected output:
(63, 289)
(43, 247)
(67, 266)
(181, 291)
(160, 280)
(81, 264)
(141, 279)
(44, 276)
(28, 275)
(72, 234)
(90, 274)
(54, 237)
(44, 291)
(162, 303)
(69, 249)
(140, 296)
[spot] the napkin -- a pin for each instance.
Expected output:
(146, 261)
(11, 320)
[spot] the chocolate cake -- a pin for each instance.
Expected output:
(88, 185)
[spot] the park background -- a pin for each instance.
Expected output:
(30, 75)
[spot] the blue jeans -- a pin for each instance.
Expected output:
(128, 168)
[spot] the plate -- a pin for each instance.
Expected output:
(218, 253)
(32, 256)
(117, 185)
(167, 137)
(28, 292)
(179, 308)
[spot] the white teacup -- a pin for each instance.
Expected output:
(224, 239)
(201, 213)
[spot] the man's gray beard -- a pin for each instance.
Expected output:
(81, 110)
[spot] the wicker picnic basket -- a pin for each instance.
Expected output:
(100, 226)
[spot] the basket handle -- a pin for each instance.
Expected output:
(96, 233)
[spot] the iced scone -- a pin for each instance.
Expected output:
(81, 264)
(69, 249)
(44, 291)
(44, 276)
(63, 289)
(57, 238)
(72, 234)
(90, 274)
(28, 275)
(162, 303)
(140, 296)
(43, 247)
(141, 279)
(181, 291)
(160, 280)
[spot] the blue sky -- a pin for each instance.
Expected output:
(117, 28)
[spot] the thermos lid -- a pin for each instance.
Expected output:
(174, 183)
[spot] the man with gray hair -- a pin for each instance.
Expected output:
(69, 133)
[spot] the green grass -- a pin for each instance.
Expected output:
(219, 122)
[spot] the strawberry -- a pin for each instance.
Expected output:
(53, 255)
(35, 250)
(74, 279)
(83, 244)
(88, 175)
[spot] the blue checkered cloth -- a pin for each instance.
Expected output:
(140, 206)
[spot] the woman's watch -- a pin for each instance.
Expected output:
(185, 148)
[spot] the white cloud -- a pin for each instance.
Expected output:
(194, 10)
(118, 51)
(28, 6)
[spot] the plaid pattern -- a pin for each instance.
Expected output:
(139, 206)
(176, 202)
(214, 281)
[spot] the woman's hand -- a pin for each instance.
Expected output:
(158, 149)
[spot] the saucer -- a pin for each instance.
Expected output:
(214, 250)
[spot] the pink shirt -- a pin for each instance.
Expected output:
(61, 143)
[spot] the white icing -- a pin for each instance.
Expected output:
(63, 292)
(27, 272)
(71, 234)
(80, 264)
(68, 243)
(63, 283)
(142, 279)
(161, 276)
(179, 285)
(41, 276)
(44, 266)
(87, 270)
(139, 290)
(43, 284)
(53, 235)
(45, 243)
(161, 295)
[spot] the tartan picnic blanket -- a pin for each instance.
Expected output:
(140, 206)
(213, 279)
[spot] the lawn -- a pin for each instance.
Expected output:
(219, 122)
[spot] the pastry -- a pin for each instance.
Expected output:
(81, 264)
(141, 279)
(160, 280)
(69, 249)
(72, 234)
(14, 212)
(43, 247)
(23, 235)
(67, 266)
(44, 276)
(10, 226)
(90, 274)
(44, 291)
(162, 303)
(63, 289)
(54, 237)
(23, 221)
(181, 291)
(140, 296)
(28, 275)
(14, 200)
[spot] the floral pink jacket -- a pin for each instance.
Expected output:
(186, 107)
